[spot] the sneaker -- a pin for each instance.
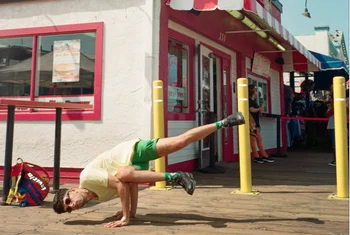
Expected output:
(258, 160)
(187, 181)
(268, 159)
(332, 163)
(234, 119)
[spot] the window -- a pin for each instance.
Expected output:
(177, 77)
(53, 64)
(263, 90)
(180, 77)
(15, 59)
(71, 77)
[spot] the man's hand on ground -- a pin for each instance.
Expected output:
(118, 223)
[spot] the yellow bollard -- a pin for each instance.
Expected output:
(340, 128)
(244, 140)
(158, 125)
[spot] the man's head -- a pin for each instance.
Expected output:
(252, 90)
(68, 200)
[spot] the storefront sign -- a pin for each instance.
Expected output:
(66, 61)
(176, 93)
(261, 65)
(343, 46)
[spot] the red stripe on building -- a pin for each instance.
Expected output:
(205, 4)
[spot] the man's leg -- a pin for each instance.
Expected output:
(131, 175)
(260, 144)
(166, 146)
(146, 151)
(253, 146)
(332, 136)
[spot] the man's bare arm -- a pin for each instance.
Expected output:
(255, 110)
(124, 194)
(134, 195)
(133, 202)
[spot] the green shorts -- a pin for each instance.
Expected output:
(145, 151)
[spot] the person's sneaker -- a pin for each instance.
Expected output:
(187, 181)
(268, 159)
(234, 119)
(258, 160)
(332, 163)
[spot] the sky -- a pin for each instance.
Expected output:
(332, 13)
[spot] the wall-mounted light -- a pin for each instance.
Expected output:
(254, 27)
(306, 12)
(211, 55)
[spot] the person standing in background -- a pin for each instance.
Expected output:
(330, 124)
(255, 137)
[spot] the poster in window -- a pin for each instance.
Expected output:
(176, 93)
(66, 61)
(261, 65)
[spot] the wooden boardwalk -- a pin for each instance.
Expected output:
(293, 200)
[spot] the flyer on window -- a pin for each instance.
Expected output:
(66, 61)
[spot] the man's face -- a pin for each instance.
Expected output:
(73, 200)
(255, 92)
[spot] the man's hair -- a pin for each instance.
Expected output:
(251, 89)
(58, 201)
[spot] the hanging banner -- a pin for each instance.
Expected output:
(66, 61)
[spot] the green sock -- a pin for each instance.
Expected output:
(171, 176)
(219, 124)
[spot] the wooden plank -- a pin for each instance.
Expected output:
(293, 200)
(46, 105)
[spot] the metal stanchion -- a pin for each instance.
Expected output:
(8, 150)
(158, 126)
(342, 161)
(57, 155)
(244, 140)
(278, 152)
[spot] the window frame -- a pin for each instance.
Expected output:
(49, 115)
(252, 76)
(190, 42)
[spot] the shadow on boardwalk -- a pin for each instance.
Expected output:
(173, 218)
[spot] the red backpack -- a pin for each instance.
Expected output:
(29, 184)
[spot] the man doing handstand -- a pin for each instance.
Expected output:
(120, 170)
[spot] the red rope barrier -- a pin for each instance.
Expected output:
(306, 118)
